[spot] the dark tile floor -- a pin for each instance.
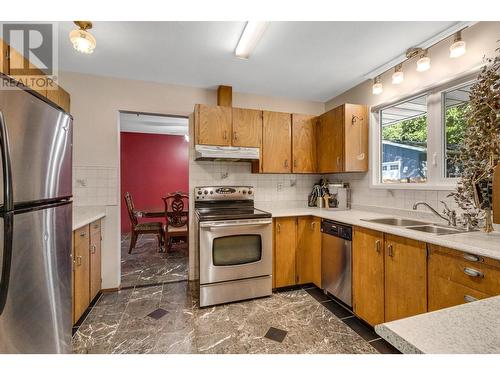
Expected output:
(121, 322)
(146, 266)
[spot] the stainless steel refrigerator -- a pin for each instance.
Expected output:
(35, 224)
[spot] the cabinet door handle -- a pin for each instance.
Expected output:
(92, 249)
(295, 163)
(235, 136)
(79, 260)
(313, 225)
(472, 257)
(224, 136)
(473, 273)
(278, 227)
(286, 163)
(389, 250)
(82, 234)
(338, 161)
(377, 246)
(468, 298)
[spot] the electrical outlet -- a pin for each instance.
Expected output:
(279, 186)
(81, 182)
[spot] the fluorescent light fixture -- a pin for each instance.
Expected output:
(398, 75)
(457, 49)
(249, 38)
(377, 87)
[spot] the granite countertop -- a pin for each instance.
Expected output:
(479, 243)
(471, 328)
(86, 215)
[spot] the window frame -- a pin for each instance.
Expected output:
(436, 139)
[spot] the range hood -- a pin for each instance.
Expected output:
(226, 153)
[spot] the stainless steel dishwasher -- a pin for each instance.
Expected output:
(336, 260)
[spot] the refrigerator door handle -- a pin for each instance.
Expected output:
(8, 199)
(8, 219)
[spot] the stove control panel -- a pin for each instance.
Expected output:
(224, 193)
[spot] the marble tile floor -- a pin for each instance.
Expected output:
(119, 323)
(146, 266)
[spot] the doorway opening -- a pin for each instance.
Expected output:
(154, 182)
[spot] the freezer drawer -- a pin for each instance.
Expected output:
(36, 317)
(39, 143)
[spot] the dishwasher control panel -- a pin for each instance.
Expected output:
(336, 229)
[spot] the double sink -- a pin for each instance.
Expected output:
(416, 225)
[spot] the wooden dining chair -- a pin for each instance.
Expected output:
(176, 218)
(141, 228)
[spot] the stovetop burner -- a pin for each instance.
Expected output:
(226, 203)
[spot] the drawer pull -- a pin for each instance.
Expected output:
(472, 258)
(377, 246)
(468, 298)
(473, 273)
(390, 252)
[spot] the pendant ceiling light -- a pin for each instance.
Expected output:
(398, 75)
(377, 87)
(82, 40)
(457, 49)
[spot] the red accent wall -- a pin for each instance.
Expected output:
(152, 165)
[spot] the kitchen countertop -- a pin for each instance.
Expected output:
(471, 328)
(86, 215)
(479, 243)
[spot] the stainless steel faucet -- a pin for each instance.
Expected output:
(451, 215)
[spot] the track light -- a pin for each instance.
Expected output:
(424, 62)
(377, 87)
(398, 75)
(457, 49)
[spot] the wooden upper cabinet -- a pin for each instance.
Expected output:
(308, 250)
(304, 143)
(247, 127)
(330, 141)
(368, 275)
(343, 139)
(33, 78)
(60, 97)
(405, 277)
(213, 125)
(4, 62)
(285, 233)
(356, 138)
(276, 142)
(496, 195)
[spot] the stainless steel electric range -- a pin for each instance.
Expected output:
(234, 240)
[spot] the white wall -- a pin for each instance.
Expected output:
(95, 105)
(481, 40)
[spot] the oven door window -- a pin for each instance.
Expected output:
(236, 250)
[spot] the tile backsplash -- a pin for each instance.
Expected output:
(95, 186)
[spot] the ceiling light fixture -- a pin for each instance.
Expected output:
(398, 75)
(424, 62)
(457, 49)
(82, 40)
(377, 87)
(249, 38)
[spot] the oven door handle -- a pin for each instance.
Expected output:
(227, 225)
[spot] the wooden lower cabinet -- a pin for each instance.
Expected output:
(95, 259)
(456, 277)
(405, 277)
(308, 250)
(368, 275)
(297, 251)
(285, 234)
(86, 267)
(81, 271)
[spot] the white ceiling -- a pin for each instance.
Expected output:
(302, 60)
(153, 124)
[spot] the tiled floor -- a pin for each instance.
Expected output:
(119, 323)
(146, 266)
